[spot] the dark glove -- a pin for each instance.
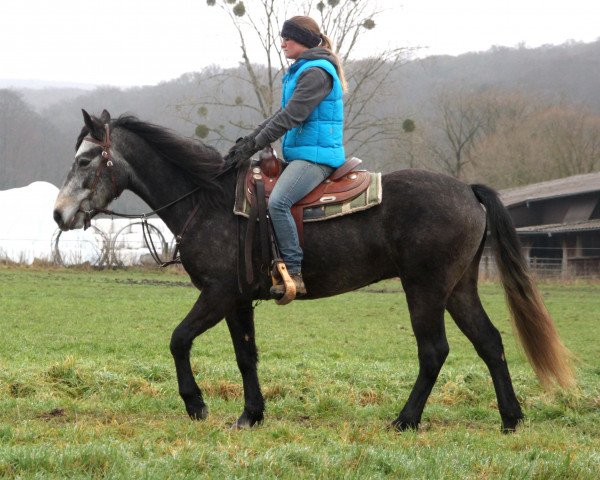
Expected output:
(238, 144)
(243, 149)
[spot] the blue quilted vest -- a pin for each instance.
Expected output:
(319, 138)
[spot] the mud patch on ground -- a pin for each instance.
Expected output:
(54, 413)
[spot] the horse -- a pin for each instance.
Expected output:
(429, 231)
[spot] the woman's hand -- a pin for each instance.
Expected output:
(243, 149)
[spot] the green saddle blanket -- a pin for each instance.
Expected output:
(369, 198)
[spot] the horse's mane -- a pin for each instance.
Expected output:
(202, 162)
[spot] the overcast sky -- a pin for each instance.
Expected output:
(126, 42)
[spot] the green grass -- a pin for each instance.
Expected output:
(88, 388)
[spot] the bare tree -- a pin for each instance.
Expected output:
(573, 139)
(507, 151)
(466, 119)
(409, 147)
(461, 122)
(512, 156)
(503, 138)
(258, 22)
(533, 140)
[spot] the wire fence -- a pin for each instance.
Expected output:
(107, 243)
(125, 247)
(549, 263)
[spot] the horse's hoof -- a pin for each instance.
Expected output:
(247, 420)
(197, 412)
(238, 425)
(510, 425)
(401, 425)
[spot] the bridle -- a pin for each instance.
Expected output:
(107, 162)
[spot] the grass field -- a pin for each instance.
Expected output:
(88, 388)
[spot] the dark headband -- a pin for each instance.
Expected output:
(300, 34)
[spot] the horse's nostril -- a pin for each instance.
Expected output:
(57, 216)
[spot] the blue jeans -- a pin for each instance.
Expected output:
(297, 180)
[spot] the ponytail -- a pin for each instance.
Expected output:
(309, 24)
(327, 44)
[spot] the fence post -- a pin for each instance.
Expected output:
(564, 271)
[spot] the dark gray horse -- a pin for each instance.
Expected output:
(429, 231)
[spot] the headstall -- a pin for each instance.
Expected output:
(106, 160)
(108, 163)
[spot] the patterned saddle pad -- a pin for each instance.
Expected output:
(369, 197)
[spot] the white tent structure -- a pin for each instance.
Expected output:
(28, 231)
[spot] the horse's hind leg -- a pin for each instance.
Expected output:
(465, 307)
(241, 327)
(427, 317)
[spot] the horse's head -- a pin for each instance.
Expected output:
(97, 176)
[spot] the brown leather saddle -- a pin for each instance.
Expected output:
(345, 183)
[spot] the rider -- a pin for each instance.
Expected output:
(311, 120)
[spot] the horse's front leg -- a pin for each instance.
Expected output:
(209, 309)
(241, 326)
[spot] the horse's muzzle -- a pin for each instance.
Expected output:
(58, 218)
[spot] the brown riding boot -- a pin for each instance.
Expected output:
(278, 290)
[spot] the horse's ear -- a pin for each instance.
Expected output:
(105, 116)
(87, 119)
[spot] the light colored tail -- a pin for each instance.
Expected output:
(550, 359)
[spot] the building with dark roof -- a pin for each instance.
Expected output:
(558, 223)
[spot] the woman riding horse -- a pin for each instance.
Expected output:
(311, 120)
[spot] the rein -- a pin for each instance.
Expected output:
(146, 229)
(108, 163)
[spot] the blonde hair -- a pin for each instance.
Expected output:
(310, 24)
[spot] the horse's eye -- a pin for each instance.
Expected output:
(82, 162)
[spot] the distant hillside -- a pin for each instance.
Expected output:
(41, 99)
(41, 94)
(569, 72)
(42, 84)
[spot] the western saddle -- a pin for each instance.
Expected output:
(344, 184)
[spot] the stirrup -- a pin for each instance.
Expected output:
(290, 286)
